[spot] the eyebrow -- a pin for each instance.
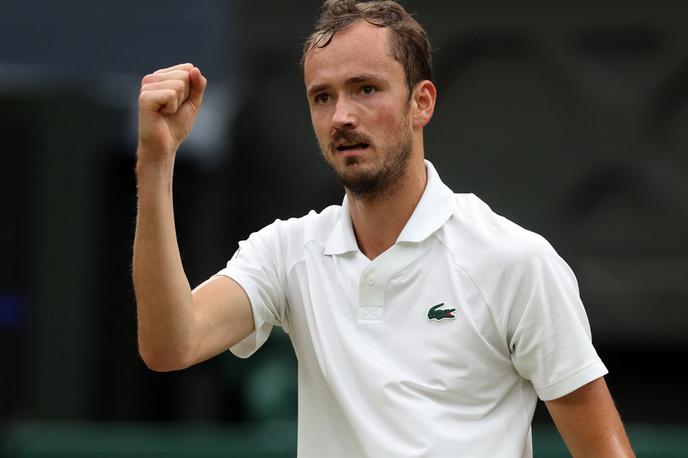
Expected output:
(356, 79)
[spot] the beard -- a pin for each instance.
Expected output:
(379, 179)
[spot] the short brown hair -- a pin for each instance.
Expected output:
(409, 42)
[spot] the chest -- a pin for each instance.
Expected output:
(410, 319)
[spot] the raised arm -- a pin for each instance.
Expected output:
(589, 422)
(176, 327)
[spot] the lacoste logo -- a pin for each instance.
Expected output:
(436, 313)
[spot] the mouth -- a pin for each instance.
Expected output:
(355, 147)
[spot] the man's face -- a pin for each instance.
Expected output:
(359, 104)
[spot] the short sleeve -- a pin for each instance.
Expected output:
(257, 268)
(548, 329)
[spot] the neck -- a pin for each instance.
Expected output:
(378, 220)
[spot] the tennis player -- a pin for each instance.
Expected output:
(425, 325)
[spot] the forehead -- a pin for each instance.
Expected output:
(357, 49)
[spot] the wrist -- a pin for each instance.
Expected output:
(154, 161)
(152, 174)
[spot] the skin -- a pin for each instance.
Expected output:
(356, 91)
(589, 423)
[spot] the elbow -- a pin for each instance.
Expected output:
(164, 361)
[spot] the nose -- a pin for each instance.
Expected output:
(344, 116)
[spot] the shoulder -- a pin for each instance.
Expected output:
(312, 226)
(495, 251)
(506, 262)
(475, 231)
(289, 237)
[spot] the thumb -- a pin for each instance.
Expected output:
(198, 85)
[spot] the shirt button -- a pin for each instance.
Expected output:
(370, 281)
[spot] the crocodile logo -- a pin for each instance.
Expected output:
(436, 313)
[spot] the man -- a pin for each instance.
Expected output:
(424, 324)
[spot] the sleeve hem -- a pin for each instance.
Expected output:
(249, 345)
(571, 383)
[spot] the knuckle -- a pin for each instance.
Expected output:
(181, 75)
(148, 79)
(146, 99)
(171, 96)
(183, 88)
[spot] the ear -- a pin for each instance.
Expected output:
(423, 103)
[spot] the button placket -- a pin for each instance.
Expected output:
(371, 295)
(377, 275)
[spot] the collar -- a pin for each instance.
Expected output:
(433, 210)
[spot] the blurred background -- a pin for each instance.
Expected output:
(568, 118)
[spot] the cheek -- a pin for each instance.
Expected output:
(390, 121)
(319, 128)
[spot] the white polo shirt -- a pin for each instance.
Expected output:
(439, 347)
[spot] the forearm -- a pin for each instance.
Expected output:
(163, 294)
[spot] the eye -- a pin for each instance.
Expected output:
(321, 99)
(368, 90)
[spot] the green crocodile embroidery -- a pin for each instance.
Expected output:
(435, 313)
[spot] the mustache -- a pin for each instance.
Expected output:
(350, 137)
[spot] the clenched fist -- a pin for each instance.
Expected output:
(168, 104)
